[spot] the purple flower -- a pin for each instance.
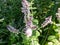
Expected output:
(25, 2)
(27, 18)
(28, 32)
(47, 21)
(12, 29)
(25, 7)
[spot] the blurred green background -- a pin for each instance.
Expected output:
(10, 13)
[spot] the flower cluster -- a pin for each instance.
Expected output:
(25, 9)
(12, 29)
(47, 21)
(28, 19)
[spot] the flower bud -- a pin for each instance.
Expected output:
(28, 32)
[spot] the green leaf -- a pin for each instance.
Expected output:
(51, 37)
(50, 43)
(35, 21)
(1, 20)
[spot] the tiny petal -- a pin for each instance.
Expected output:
(28, 32)
(26, 2)
(47, 21)
(12, 29)
(34, 27)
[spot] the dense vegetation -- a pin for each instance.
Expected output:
(41, 10)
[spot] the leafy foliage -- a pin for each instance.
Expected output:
(11, 14)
